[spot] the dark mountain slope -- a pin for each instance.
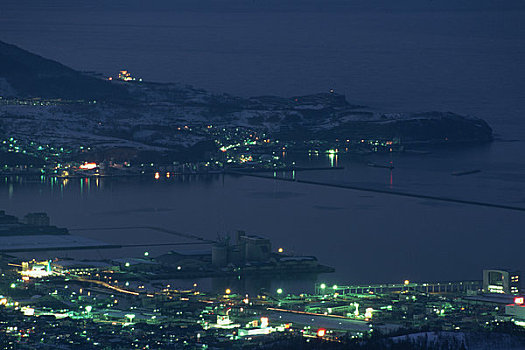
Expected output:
(31, 75)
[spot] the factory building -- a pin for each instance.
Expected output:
(246, 248)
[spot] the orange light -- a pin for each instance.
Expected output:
(157, 176)
(519, 300)
(88, 166)
(321, 332)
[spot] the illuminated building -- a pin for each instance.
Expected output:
(253, 328)
(517, 311)
(36, 269)
(126, 76)
(88, 166)
(501, 281)
(223, 322)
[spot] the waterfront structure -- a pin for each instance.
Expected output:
(7, 219)
(33, 224)
(501, 281)
(247, 248)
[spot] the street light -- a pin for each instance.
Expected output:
(280, 291)
(321, 332)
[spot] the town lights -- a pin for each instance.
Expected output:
(519, 300)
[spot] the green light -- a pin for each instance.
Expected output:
(13, 285)
(323, 286)
(279, 291)
(146, 253)
(334, 286)
(89, 308)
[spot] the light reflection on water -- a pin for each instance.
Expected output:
(368, 237)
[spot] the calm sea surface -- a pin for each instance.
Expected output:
(467, 59)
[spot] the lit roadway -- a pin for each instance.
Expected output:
(106, 285)
(320, 320)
